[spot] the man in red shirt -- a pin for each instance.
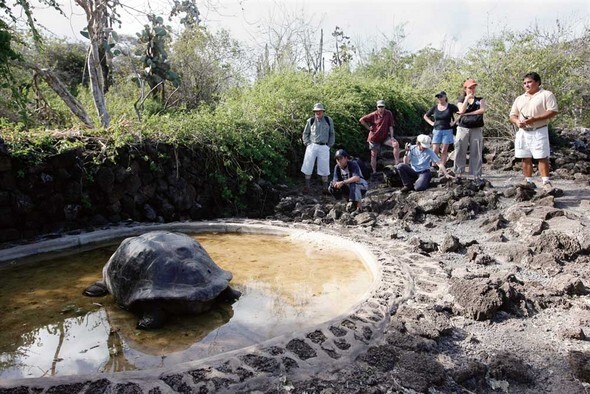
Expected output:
(380, 126)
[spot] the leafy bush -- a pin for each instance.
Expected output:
(283, 102)
(499, 64)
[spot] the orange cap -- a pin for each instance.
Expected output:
(469, 83)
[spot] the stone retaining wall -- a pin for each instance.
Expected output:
(148, 183)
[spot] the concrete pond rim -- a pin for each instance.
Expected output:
(333, 343)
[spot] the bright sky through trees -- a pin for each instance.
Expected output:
(453, 25)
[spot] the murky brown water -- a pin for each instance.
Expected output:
(48, 328)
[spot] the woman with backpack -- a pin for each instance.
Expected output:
(469, 132)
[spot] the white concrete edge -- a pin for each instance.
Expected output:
(105, 237)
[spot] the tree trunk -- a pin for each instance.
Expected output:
(319, 66)
(96, 16)
(96, 84)
(62, 91)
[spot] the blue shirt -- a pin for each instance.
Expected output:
(420, 160)
(352, 169)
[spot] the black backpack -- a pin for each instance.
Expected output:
(366, 169)
(312, 120)
(391, 176)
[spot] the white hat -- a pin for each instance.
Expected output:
(381, 103)
(424, 140)
(318, 107)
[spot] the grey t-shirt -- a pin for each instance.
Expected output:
(319, 131)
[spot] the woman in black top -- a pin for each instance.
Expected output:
(443, 123)
(469, 132)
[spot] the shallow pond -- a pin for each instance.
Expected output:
(48, 328)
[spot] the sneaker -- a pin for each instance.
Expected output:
(528, 185)
(479, 182)
(406, 189)
(547, 186)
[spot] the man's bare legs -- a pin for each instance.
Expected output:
(527, 171)
(527, 167)
(395, 145)
(544, 167)
(374, 153)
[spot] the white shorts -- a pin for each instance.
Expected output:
(314, 152)
(533, 144)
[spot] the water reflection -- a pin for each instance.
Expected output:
(75, 345)
(49, 328)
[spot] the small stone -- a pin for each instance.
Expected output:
(485, 259)
(573, 333)
(580, 364)
(472, 339)
(450, 244)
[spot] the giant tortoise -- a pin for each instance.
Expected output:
(161, 273)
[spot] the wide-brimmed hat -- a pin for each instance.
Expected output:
(441, 94)
(469, 83)
(381, 103)
(341, 153)
(424, 140)
(318, 107)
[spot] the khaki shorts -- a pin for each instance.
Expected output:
(377, 145)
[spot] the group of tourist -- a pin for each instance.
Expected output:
(530, 112)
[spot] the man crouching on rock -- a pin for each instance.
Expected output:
(348, 179)
(415, 170)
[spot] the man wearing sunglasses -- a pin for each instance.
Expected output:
(380, 125)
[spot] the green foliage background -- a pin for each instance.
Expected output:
(251, 130)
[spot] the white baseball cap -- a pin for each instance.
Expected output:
(424, 140)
